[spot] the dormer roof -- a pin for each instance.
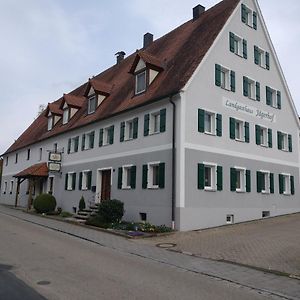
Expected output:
(99, 87)
(150, 60)
(72, 101)
(54, 109)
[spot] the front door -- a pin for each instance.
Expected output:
(105, 184)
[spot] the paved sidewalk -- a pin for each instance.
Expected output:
(280, 286)
(271, 244)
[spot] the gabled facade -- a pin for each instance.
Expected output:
(196, 129)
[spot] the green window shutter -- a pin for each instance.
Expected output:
(66, 182)
(268, 60)
(219, 125)
(271, 183)
(122, 131)
(247, 132)
(89, 180)
(278, 99)
(146, 124)
(279, 140)
(257, 134)
(163, 113)
(161, 174)
(232, 128)
(135, 127)
(201, 114)
(76, 143)
(69, 146)
(231, 41)
(245, 51)
(270, 139)
(259, 181)
(101, 137)
(256, 55)
(145, 177)
(92, 138)
(80, 181)
(218, 75)
(257, 85)
(232, 81)
(245, 86)
(281, 178)
(255, 20)
(201, 176)
(244, 13)
(111, 134)
(83, 142)
(292, 185)
(268, 96)
(290, 143)
(133, 177)
(73, 181)
(120, 175)
(219, 178)
(233, 179)
(248, 181)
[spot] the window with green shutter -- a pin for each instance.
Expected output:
(290, 141)
(146, 124)
(257, 135)
(256, 55)
(145, 177)
(259, 183)
(247, 132)
(245, 51)
(232, 81)
(257, 86)
(163, 113)
(122, 131)
(66, 181)
(133, 177)
(232, 128)
(281, 183)
(278, 99)
(89, 180)
(292, 179)
(201, 114)
(111, 134)
(254, 20)
(218, 75)
(161, 173)
(135, 127)
(244, 13)
(219, 178)
(101, 137)
(219, 125)
(270, 139)
(83, 142)
(120, 174)
(279, 140)
(91, 139)
(272, 183)
(248, 181)
(231, 41)
(233, 179)
(245, 86)
(76, 144)
(80, 181)
(201, 177)
(73, 181)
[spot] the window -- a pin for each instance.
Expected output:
(238, 45)
(153, 175)
(66, 115)
(265, 214)
(85, 180)
(129, 130)
(230, 219)
(50, 123)
(70, 181)
(5, 187)
(6, 161)
(210, 177)
(263, 136)
(143, 217)
(284, 141)
(265, 182)
(16, 158)
(239, 130)
(251, 89)
(286, 184)
(209, 122)
(140, 82)
(88, 141)
(261, 58)
(127, 177)
(240, 180)
(155, 122)
(224, 78)
(50, 185)
(273, 97)
(92, 104)
(249, 17)
(40, 153)
(106, 136)
(11, 188)
(28, 154)
(73, 144)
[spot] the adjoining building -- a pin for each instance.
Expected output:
(196, 129)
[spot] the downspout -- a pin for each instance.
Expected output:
(173, 161)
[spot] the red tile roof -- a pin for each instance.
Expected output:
(100, 87)
(38, 170)
(54, 109)
(72, 101)
(150, 61)
(180, 51)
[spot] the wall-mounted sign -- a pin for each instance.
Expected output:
(55, 156)
(54, 167)
(249, 110)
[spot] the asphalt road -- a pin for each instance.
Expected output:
(59, 266)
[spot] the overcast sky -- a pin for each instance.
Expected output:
(49, 47)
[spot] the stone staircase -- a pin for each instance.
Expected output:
(83, 215)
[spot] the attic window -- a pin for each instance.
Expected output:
(140, 82)
(92, 104)
(50, 123)
(66, 115)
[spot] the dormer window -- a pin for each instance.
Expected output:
(66, 115)
(50, 123)
(92, 104)
(140, 82)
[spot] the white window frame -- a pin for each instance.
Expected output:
(50, 123)
(154, 115)
(238, 45)
(66, 115)
(266, 177)
(128, 129)
(286, 184)
(11, 186)
(274, 97)
(251, 89)
(263, 138)
(72, 146)
(225, 78)
(84, 181)
(213, 122)
(150, 184)
(90, 108)
(4, 187)
(242, 177)
(87, 140)
(285, 141)
(70, 181)
(249, 16)
(231, 219)
(241, 125)
(125, 170)
(143, 73)
(213, 176)
(106, 137)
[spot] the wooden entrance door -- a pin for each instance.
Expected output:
(105, 184)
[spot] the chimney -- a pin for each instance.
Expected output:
(148, 39)
(197, 11)
(120, 56)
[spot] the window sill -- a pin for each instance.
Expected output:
(265, 192)
(210, 133)
(241, 191)
(264, 146)
(210, 189)
(240, 141)
(126, 188)
(286, 193)
(226, 89)
(69, 190)
(284, 150)
(154, 133)
(154, 187)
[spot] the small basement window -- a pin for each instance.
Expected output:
(230, 219)
(140, 82)
(266, 214)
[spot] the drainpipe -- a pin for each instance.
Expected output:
(173, 161)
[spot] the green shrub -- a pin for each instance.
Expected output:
(81, 204)
(111, 211)
(65, 214)
(44, 203)
(97, 222)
